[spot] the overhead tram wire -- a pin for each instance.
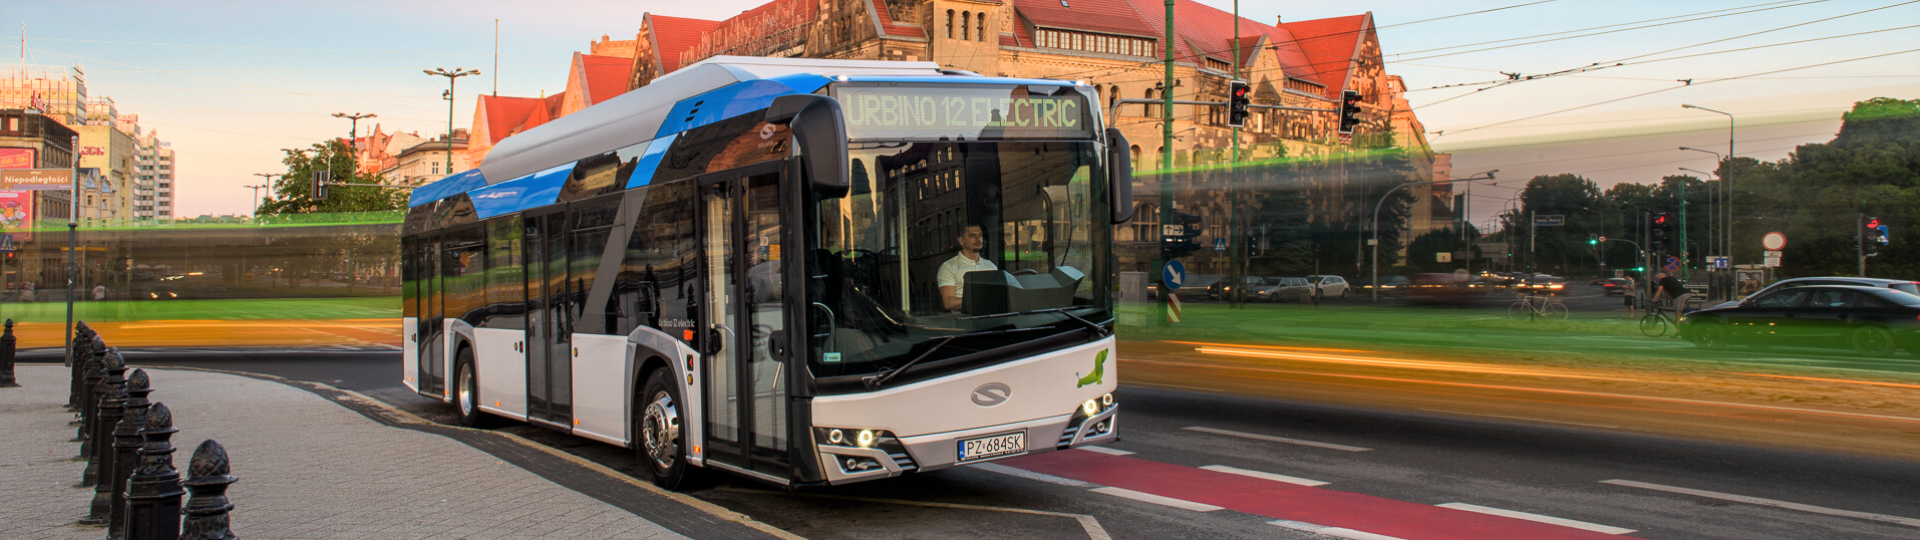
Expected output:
(1760, 7)
(223, 81)
(297, 49)
(1598, 103)
(1796, 25)
(1598, 66)
(1343, 60)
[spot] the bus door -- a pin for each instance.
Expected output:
(431, 325)
(549, 356)
(746, 382)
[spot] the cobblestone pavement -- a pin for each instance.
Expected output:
(308, 469)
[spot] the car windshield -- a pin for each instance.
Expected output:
(942, 238)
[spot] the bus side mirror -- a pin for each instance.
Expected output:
(820, 130)
(1119, 176)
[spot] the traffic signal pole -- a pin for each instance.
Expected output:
(1860, 241)
(1685, 254)
(1166, 161)
(1235, 252)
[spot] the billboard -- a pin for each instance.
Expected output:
(17, 158)
(16, 214)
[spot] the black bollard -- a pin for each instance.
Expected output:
(126, 450)
(207, 505)
(77, 364)
(82, 355)
(100, 467)
(89, 397)
(6, 357)
(153, 492)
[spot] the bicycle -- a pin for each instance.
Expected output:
(1657, 320)
(1525, 309)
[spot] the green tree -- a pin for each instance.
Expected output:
(293, 192)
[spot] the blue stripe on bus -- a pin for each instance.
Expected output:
(802, 83)
(446, 187)
(650, 161)
(530, 191)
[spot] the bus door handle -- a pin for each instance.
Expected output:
(719, 338)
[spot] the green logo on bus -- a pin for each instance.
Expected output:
(1099, 370)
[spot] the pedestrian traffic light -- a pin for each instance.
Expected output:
(1872, 237)
(1658, 230)
(1349, 111)
(1239, 96)
(320, 179)
(1593, 239)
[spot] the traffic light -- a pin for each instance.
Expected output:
(1239, 96)
(1349, 111)
(1185, 238)
(1658, 230)
(320, 179)
(1873, 236)
(1593, 239)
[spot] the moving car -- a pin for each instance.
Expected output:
(1438, 288)
(1223, 289)
(1615, 286)
(1902, 285)
(1870, 321)
(1542, 283)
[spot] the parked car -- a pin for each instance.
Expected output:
(1902, 285)
(1325, 286)
(1278, 289)
(1615, 286)
(1871, 321)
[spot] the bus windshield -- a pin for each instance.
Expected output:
(944, 249)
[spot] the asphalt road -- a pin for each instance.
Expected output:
(1384, 472)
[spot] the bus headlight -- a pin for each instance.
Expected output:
(1106, 399)
(836, 437)
(1090, 407)
(852, 437)
(865, 438)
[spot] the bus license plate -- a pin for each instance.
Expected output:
(993, 446)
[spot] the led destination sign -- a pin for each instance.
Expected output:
(970, 112)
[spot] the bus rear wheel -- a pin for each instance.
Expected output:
(662, 443)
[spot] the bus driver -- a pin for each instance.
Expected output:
(952, 276)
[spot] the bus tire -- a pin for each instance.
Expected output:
(660, 443)
(466, 391)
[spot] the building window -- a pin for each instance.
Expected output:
(436, 167)
(949, 24)
(966, 21)
(980, 27)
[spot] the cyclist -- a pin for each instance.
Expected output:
(1670, 288)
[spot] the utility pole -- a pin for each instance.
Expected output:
(73, 228)
(1235, 252)
(451, 76)
(1685, 253)
(1166, 161)
(256, 198)
(1860, 241)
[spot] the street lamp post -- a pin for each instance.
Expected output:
(353, 131)
(1375, 287)
(1711, 227)
(1711, 238)
(1726, 180)
(451, 76)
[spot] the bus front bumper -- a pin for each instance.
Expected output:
(895, 457)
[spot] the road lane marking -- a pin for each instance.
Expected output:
(1336, 532)
(1564, 522)
(1105, 450)
(1030, 475)
(1156, 499)
(1295, 480)
(1088, 523)
(1537, 390)
(1256, 436)
(1522, 418)
(1910, 522)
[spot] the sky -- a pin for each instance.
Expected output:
(232, 83)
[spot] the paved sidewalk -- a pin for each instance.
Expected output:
(308, 469)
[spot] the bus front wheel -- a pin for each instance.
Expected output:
(466, 390)
(662, 442)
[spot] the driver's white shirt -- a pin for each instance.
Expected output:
(953, 272)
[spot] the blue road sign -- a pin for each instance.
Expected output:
(1673, 263)
(1722, 263)
(1174, 274)
(1219, 244)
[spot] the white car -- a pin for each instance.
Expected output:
(1335, 286)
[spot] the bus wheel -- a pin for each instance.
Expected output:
(662, 443)
(466, 390)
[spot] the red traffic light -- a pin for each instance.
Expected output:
(1873, 223)
(1660, 219)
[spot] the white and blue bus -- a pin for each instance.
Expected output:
(738, 267)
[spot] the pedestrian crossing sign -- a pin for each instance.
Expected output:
(6, 243)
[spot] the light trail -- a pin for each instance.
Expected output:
(1415, 364)
(1873, 383)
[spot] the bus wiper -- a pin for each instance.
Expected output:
(875, 381)
(1098, 330)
